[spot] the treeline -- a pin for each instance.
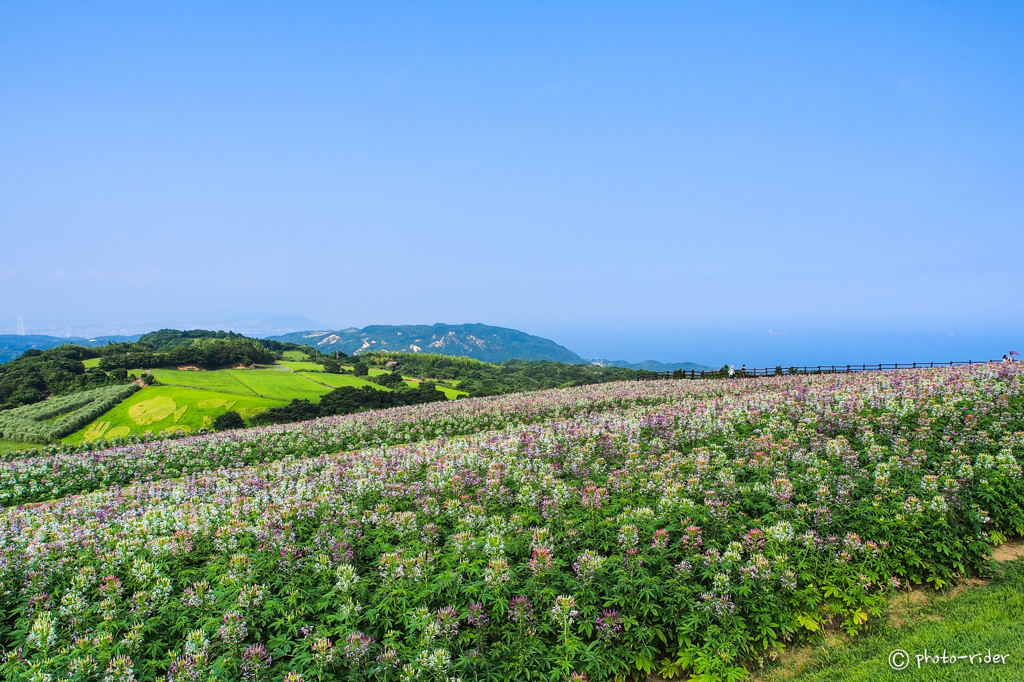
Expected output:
(349, 399)
(206, 353)
(165, 340)
(512, 376)
(38, 374)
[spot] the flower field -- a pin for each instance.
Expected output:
(602, 532)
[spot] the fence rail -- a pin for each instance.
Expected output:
(748, 372)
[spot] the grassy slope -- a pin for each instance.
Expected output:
(10, 445)
(222, 381)
(451, 393)
(271, 383)
(164, 411)
(301, 366)
(337, 380)
(975, 620)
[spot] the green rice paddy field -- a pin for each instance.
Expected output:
(338, 380)
(187, 400)
(300, 366)
(170, 408)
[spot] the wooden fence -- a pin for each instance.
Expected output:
(748, 372)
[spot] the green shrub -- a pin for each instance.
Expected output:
(229, 420)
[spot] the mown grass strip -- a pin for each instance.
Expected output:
(974, 621)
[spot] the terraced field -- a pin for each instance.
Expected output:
(188, 400)
(171, 409)
(339, 380)
(298, 366)
(278, 385)
(222, 381)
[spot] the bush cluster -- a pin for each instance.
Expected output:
(37, 375)
(206, 353)
(512, 376)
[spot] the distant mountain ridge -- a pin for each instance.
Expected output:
(13, 345)
(653, 365)
(478, 341)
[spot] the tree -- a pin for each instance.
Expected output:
(228, 420)
(360, 369)
(332, 366)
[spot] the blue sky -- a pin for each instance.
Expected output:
(665, 181)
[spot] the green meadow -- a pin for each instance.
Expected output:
(170, 408)
(450, 393)
(221, 381)
(10, 446)
(274, 384)
(277, 384)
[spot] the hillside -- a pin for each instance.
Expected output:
(653, 365)
(478, 341)
(13, 345)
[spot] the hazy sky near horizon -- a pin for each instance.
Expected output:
(667, 180)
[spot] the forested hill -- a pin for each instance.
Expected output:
(478, 341)
(13, 345)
